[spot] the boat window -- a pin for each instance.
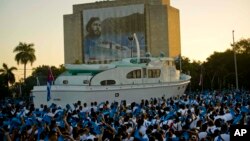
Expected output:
(116, 94)
(141, 60)
(85, 81)
(154, 73)
(138, 74)
(170, 63)
(144, 72)
(65, 82)
(134, 74)
(146, 60)
(107, 82)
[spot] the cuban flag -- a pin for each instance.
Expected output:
(50, 79)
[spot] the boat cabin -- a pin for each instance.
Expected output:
(129, 71)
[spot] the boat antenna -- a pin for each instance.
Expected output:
(162, 54)
(148, 54)
(137, 47)
(131, 38)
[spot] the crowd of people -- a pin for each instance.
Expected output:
(205, 116)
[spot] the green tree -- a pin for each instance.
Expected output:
(193, 68)
(25, 54)
(220, 71)
(8, 75)
(3, 88)
(242, 46)
(39, 77)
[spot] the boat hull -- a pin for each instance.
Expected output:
(63, 95)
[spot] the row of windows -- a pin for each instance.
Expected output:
(134, 74)
(104, 82)
(108, 82)
(152, 73)
(84, 82)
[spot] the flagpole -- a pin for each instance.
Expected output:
(201, 82)
(201, 79)
(235, 64)
(189, 83)
(180, 63)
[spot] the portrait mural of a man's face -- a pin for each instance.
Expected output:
(94, 27)
(107, 30)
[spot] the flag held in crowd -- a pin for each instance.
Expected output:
(50, 79)
(201, 79)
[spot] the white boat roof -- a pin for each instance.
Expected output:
(127, 62)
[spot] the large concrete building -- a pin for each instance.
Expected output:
(155, 22)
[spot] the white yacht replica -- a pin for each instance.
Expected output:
(131, 79)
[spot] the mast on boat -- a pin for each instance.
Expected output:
(137, 47)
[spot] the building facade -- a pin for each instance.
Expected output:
(102, 31)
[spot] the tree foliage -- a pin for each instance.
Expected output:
(39, 76)
(6, 77)
(25, 54)
(243, 46)
(4, 91)
(192, 68)
(220, 67)
(218, 71)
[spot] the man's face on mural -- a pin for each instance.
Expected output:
(96, 28)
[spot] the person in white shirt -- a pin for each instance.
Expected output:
(228, 116)
(142, 132)
(177, 124)
(223, 136)
(85, 108)
(203, 133)
(182, 110)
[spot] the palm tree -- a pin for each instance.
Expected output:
(25, 54)
(8, 75)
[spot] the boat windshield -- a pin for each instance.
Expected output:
(142, 60)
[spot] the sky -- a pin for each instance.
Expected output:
(206, 26)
